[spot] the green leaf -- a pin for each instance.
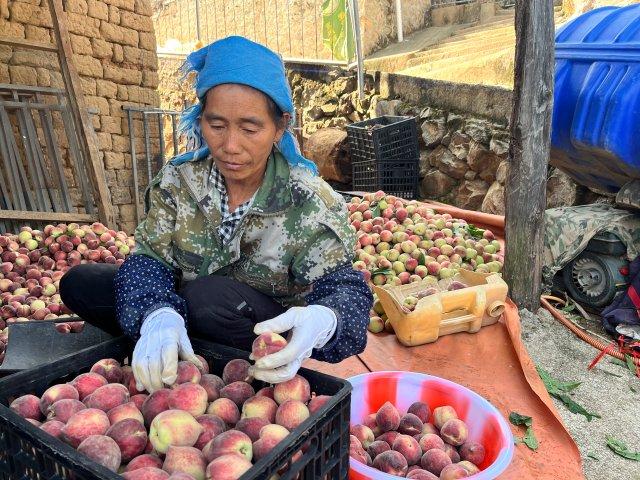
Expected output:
(591, 455)
(633, 389)
(530, 439)
(575, 407)
(422, 259)
(559, 390)
(556, 385)
(569, 308)
(517, 419)
(474, 231)
(620, 448)
(617, 361)
(383, 271)
(375, 210)
(630, 365)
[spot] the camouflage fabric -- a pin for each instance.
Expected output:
(568, 230)
(295, 232)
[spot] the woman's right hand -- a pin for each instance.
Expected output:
(163, 339)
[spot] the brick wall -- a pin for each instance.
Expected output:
(114, 50)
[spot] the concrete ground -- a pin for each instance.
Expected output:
(606, 390)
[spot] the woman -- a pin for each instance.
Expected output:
(241, 237)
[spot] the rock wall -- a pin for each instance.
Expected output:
(115, 54)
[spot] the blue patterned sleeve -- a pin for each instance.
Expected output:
(346, 293)
(142, 285)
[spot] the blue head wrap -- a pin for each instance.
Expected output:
(237, 60)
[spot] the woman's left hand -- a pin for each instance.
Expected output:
(311, 327)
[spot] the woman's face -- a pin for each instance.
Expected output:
(239, 130)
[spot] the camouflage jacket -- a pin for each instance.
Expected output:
(295, 231)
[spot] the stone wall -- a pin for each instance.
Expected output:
(115, 54)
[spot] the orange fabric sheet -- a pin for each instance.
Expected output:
(495, 364)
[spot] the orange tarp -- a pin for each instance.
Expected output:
(495, 364)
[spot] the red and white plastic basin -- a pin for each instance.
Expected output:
(486, 424)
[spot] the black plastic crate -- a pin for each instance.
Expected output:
(385, 155)
(26, 452)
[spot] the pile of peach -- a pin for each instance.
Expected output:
(203, 426)
(411, 446)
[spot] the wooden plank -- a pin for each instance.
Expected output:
(525, 192)
(47, 216)
(23, 43)
(86, 134)
(28, 88)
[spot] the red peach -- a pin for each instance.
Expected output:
(453, 472)
(391, 462)
(454, 432)
(187, 373)
(469, 467)
(442, 414)
(142, 461)
(429, 441)
(227, 467)
(204, 368)
(408, 447)
(185, 459)
(139, 400)
(297, 388)
(266, 344)
(388, 417)
(226, 409)
(429, 428)
(155, 403)
(103, 450)
(212, 384)
(452, 452)
(377, 447)
(64, 409)
(420, 410)
(107, 397)
(182, 476)
(473, 452)
(251, 426)
(236, 370)
(87, 383)
(83, 424)
(145, 473)
(53, 427)
(211, 426)
(55, 393)
(270, 436)
(388, 437)
(265, 392)
(27, 406)
(435, 460)
(190, 397)
(261, 407)
(174, 427)
(410, 424)
(109, 368)
(291, 414)
(238, 392)
(317, 402)
(229, 442)
(363, 434)
(420, 474)
(131, 437)
(124, 411)
(33, 422)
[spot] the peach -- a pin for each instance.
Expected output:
(431, 440)
(103, 450)
(174, 427)
(266, 392)
(266, 344)
(317, 402)
(186, 460)
(211, 426)
(226, 409)
(452, 472)
(251, 426)
(291, 414)
(55, 393)
(356, 451)
(420, 410)
(107, 397)
(87, 383)
(229, 442)
(109, 368)
(138, 400)
(391, 462)
(473, 452)
(377, 447)
(408, 447)
(155, 403)
(190, 397)
(429, 428)
(124, 411)
(187, 373)
(469, 467)
(27, 406)
(212, 385)
(236, 370)
(454, 432)
(274, 431)
(261, 407)
(62, 410)
(238, 392)
(442, 414)
(53, 427)
(452, 452)
(435, 460)
(388, 437)
(297, 388)
(131, 437)
(146, 473)
(420, 474)
(33, 422)
(227, 467)
(410, 424)
(204, 367)
(363, 434)
(83, 424)
(182, 476)
(142, 461)
(270, 436)
(388, 417)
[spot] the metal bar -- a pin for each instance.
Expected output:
(12, 159)
(27, 215)
(174, 127)
(355, 14)
(161, 134)
(29, 88)
(62, 181)
(147, 144)
(35, 106)
(134, 163)
(55, 156)
(399, 21)
(4, 152)
(136, 108)
(22, 43)
(198, 20)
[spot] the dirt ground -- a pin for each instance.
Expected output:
(608, 390)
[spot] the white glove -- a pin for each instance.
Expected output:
(163, 337)
(311, 327)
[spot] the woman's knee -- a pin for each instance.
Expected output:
(78, 281)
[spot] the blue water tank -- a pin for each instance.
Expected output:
(596, 115)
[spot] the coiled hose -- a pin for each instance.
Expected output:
(603, 347)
